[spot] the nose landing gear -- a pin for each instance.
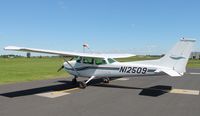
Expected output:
(74, 80)
(82, 84)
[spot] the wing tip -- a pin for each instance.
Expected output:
(188, 39)
(11, 48)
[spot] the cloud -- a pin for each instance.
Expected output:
(133, 25)
(62, 4)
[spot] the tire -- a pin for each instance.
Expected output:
(82, 85)
(106, 80)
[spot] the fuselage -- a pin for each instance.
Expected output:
(107, 67)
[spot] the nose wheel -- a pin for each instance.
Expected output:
(82, 85)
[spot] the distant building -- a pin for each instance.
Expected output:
(28, 55)
(195, 55)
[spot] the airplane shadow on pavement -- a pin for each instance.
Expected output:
(58, 87)
(154, 91)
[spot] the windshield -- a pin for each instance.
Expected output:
(111, 60)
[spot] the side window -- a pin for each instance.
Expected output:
(88, 60)
(99, 61)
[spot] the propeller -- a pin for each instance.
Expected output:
(60, 68)
(63, 65)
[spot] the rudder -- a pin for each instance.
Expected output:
(178, 56)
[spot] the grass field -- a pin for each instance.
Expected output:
(28, 69)
(25, 69)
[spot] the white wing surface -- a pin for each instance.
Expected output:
(63, 53)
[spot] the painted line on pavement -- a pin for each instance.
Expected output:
(194, 73)
(55, 94)
(122, 79)
(184, 91)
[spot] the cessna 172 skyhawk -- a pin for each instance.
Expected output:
(104, 66)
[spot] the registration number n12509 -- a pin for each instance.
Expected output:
(138, 70)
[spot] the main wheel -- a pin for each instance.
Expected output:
(82, 85)
(106, 80)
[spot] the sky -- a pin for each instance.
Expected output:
(129, 26)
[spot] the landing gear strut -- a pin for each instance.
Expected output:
(74, 80)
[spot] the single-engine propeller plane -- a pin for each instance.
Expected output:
(104, 66)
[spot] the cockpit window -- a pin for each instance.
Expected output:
(99, 61)
(88, 60)
(111, 60)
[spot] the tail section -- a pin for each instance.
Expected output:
(177, 58)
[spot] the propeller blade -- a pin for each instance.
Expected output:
(60, 68)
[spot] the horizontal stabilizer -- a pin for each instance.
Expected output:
(170, 72)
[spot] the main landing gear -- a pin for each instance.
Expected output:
(106, 80)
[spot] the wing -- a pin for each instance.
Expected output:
(63, 53)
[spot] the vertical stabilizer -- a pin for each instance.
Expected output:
(178, 56)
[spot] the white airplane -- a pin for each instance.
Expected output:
(104, 66)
